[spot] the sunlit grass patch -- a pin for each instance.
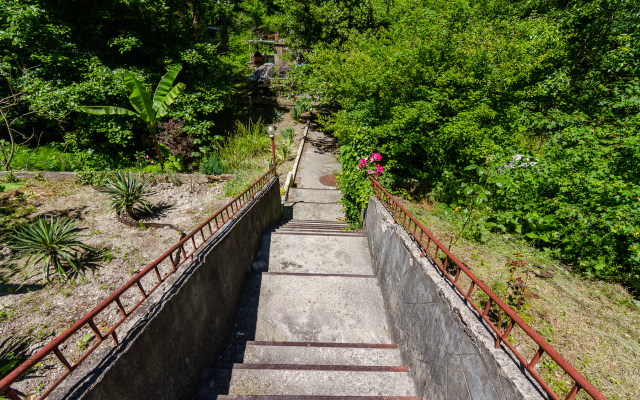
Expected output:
(44, 158)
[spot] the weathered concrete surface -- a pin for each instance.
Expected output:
(314, 211)
(450, 352)
(320, 383)
(318, 159)
(320, 356)
(319, 309)
(71, 176)
(297, 195)
(315, 254)
(313, 290)
(173, 335)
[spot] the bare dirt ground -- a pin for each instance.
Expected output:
(32, 313)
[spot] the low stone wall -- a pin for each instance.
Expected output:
(169, 340)
(448, 348)
(71, 176)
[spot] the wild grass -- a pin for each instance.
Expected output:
(247, 141)
(595, 325)
(243, 179)
(43, 158)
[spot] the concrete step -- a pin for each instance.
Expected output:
(314, 195)
(313, 353)
(258, 380)
(314, 211)
(298, 397)
(316, 308)
(314, 254)
(315, 228)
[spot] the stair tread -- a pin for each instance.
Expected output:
(311, 309)
(310, 382)
(339, 254)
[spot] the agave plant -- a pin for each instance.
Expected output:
(126, 192)
(147, 108)
(50, 241)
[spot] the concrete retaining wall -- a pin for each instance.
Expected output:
(449, 349)
(170, 339)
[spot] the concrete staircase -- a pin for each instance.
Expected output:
(311, 323)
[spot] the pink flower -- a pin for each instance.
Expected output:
(377, 174)
(358, 168)
(147, 156)
(370, 172)
(376, 157)
(379, 168)
(152, 162)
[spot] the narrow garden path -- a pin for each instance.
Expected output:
(312, 320)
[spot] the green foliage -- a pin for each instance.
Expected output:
(148, 109)
(212, 165)
(243, 179)
(63, 56)
(438, 86)
(50, 241)
(9, 177)
(515, 291)
(8, 186)
(247, 141)
(84, 341)
(11, 353)
(126, 192)
(49, 157)
(288, 133)
(296, 112)
(305, 23)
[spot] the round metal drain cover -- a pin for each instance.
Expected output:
(328, 180)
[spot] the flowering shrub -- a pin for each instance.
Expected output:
(354, 181)
(370, 160)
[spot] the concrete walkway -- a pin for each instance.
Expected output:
(311, 323)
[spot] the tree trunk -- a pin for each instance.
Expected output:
(6, 160)
(132, 213)
(152, 129)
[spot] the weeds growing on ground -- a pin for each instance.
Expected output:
(247, 141)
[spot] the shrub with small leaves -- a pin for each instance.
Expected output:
(51, 242)
(212, 165)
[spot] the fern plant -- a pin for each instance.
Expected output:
(51, 242)
(126, 192)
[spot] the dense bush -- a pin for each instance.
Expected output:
(436, 86)
(64, 54)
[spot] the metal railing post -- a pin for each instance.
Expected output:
(272, 136)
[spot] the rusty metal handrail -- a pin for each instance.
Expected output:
(401, 214)
(218, 218)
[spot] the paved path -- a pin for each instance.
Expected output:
(311, 324)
